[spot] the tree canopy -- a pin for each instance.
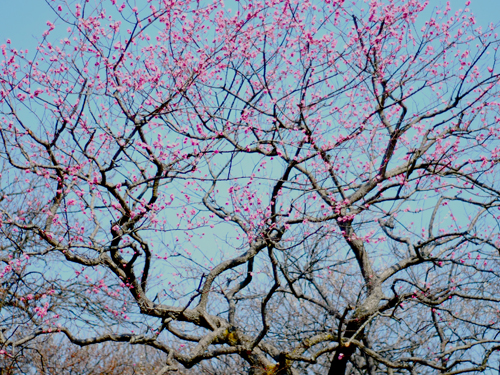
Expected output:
(257, 187)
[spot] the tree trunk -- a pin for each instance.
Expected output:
(343, 352)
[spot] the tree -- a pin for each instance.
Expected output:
(51, 356)
(286, 186)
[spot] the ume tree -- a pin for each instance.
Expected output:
(263, 187)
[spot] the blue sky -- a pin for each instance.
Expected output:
(22, 20)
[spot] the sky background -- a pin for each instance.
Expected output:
(23, 21)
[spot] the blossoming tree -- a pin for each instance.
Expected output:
(292, 187)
